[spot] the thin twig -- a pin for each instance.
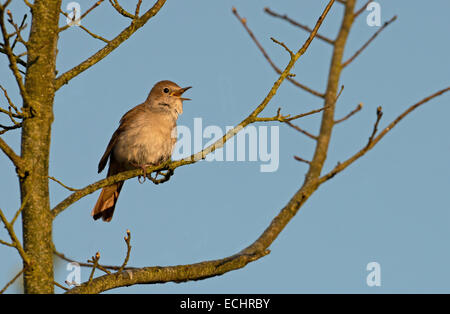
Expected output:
(103, 268)
(375, 126)
(127, 239)
(63, 185)
(302, 160)
(287, 118)
(121, 10)
(138, 8)
(269, 60)
(11, 56)
(6, 243)
(361, 10)
(22, 206)
(11, 282)
(7, 128)
(60, 286)
(296, 127)
(14, 239)
(350, 114)
(283, 45)
(295, 23)
(111, 46)
(96, 4)
(16, 160)
(360, 50)
(94, 262)
(375, 140)
(86, 30)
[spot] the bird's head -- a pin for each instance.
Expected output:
(167, 95)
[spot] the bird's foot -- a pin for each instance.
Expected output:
(166, 176)
(144, 170)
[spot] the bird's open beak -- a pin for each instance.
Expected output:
(180, 92)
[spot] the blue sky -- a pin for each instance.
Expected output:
(390, 207)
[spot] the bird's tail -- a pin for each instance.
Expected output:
(104, 208)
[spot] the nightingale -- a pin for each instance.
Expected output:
(145, 137)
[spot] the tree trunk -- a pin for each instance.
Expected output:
(35, 146)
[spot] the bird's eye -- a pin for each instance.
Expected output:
(166, 90)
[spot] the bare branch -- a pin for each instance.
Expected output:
(112, 45)
(104, 268)
(11, 56)
(16, 160)
(18, 60)
(350, 114)
(272, 64)
(288, 117)
(127, 239)
(15, 240)
(375, 126)
(11, 281)
(302, 160)
(295, 23)
(85, 29)
(28, 4)
(296, 127)
(331, 96)
(24, 202)
(63, 185)
(94, 262)
(96, 4)
(121, 10)
(361, 10)
(375, 140)
(148, 275)
(283, 45)
(7, 243)
(7, 128)
(359, 51)
(18, 30)
(138, 8)
(60, 286)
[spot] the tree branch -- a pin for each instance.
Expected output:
(272, 64)
(15, 240)
(9, 53)
(112, 45)
(63, 185)
(360, 50)
(295, 23)
(16, 160)
(375, 140)
(85, 29)
(11, 281)
(350, 114)
(363, 8)
(296, 127)
(96, 4)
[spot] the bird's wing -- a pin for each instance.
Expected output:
(125, 122)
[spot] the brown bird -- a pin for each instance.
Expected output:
(145, 137)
